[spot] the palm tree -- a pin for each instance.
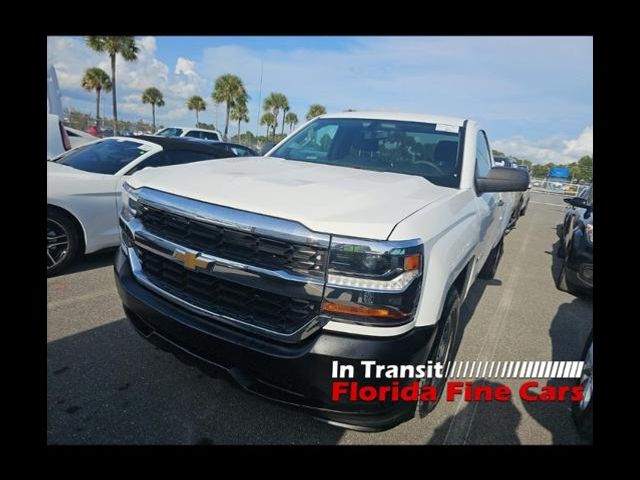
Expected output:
(96, 79)
(291, 119)
(276, 102)
(270, 120)
(239, 112)
(126, 47)
(315, 110)
(153, 96)
(198, 104)
(229, 89)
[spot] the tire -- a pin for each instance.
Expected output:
(490, 266)
(60, 228)
(583, 411)
(444, 347)
(524, 210)
(563, 282)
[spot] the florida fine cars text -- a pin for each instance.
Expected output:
(344, 388)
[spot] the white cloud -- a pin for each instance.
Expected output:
(554, 149)
(71, 57)
(185, 66)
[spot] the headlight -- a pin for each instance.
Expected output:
(373, 282)
(130, 205)
(130, 209)
(588, 228)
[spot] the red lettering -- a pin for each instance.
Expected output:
(524, 391)
(368, 393)
(502, 393)
(338, 389)
(577, 393)
(453, 389)
(410, 392)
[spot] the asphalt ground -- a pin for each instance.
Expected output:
(106, 385)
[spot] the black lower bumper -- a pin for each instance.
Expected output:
(294, 374)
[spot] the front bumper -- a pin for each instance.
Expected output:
(294, 374)
(580, 263)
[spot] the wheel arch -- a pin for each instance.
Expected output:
(76, 222)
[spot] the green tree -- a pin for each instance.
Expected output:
(153, 96)
(240, 113)
(539, 171)
(96, 79)
(291, 119)
(315, 110)
(498, 153)
(207, 126)
(198, 104)
(274, 103)
(114, 45)
(229, 89)
(270, 120)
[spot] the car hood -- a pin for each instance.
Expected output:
(324, 198)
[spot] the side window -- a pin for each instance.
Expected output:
(209, 136)
(483, 157)
(193, 134)
(241, 152)
(179, 157)
(156, 160)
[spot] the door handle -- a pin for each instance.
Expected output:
(500, 203)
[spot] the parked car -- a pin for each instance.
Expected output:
(84, 184)
(202, 133)
(583, 410)
(235, 148)
(357, 237)
(576, 245)
(78, 137)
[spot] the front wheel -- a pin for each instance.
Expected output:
(443, 349)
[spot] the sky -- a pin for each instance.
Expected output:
(533, 95)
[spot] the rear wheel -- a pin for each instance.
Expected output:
(63, 241)
(490, 266)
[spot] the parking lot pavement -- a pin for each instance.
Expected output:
(105, 385)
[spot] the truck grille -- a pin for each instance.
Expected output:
(257, 307)
(245, 247)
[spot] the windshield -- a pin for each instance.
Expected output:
(412, 148)
(106, 157)
(170, 132)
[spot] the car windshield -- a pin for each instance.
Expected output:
(106, 157)
(170, 132)
(412, 148)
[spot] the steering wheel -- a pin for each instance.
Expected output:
(435, 167)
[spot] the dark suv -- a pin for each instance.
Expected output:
(576, 245)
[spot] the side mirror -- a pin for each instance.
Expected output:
(503, 179)
(577, 202)
(266, 147)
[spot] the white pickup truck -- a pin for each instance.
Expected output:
(355, 238)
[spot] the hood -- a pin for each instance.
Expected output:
(324, 198)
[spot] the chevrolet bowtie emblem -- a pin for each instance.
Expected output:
(190, 259)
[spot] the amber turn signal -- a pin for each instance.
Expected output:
(412, 262)
(361, 311)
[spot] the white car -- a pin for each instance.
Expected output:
(78, 137)
(84, 184)
(201, 133)
(357, 238)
